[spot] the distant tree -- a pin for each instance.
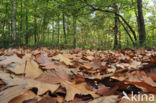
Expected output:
(14, 21)
(116, 31)
(27, 31)
(141, 24)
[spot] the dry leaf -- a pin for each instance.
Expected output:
(42, 87)
(26, 96)
(90, 58)
(44, 60)
(28, 67)
(48, 99)
(103, 90)
(12, 92)
(105, 99)
(11, 59)
(63, 59)
(85, 67)
(71, 88)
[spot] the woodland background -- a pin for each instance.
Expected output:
(87, 24)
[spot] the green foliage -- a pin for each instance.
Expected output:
(94, 29)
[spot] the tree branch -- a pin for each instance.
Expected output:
(108, 11)
(127, 32)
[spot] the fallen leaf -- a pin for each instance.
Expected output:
(71, 88)
(26, 96)
(90, 58)
(12, 92)
(28, 67)
(103, 90)
(60, 99)
(42, 87)
(85, 67)
(105, 99)
(11, 59)
(44, 60)
(63, 59)
(48, 99)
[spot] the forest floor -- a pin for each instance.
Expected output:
(46, 75)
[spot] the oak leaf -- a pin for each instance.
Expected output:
(63, 59)
(42, 87)
(28, 67)
(12, 92)
(26, 96)
(71, 88)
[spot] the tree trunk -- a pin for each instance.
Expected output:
(21, 15)
(141, 24)
(4, 26)
(35, 30)
(58, 28)
(27, 32)
(21, 20)
(64, 29)
(74, 31)
(116, 27)
(14, 21)
(35, 25)
(44, 23)
(53, 28)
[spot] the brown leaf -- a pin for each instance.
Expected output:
(71, 88)
(28, 67)
(44, 60)
(90, 58)
(12, 92)
(48, 99)
(144, 85)
(105, 99)
(53, 65)
(26, 96)
(85, 67)
(103, 90)
(63, 59)
(60, 99)
(42, 87)
(10, 59)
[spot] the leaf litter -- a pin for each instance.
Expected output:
(46, 75)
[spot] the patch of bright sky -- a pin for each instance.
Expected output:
(150, 4)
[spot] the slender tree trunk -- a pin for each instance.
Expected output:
(58, 29)
(44, 23)
(116, 27)
(3, 33)
(64, 29)
(21, 15)
(20, 26)
(141, 24)
(53, 33)
(120, 46)
(4, 26)
(27, 32)
(48, 35)
(35, 30)
(74, 31)
(14, 21)
(35, 25)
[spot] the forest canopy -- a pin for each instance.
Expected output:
(87, 24)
